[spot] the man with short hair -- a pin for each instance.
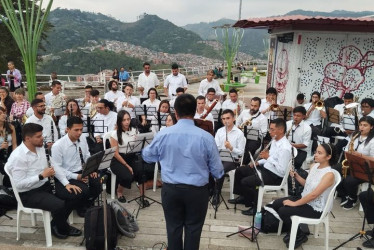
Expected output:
(367, 107)
(128, 101)
(179, 91)
(85, 101)
(173, 81)
(28, 165)
(210, 98)
(209, 82)
(233, 103)
(188, 155)
(55, 99)
(91, 106)
(113, 94)
(123, 76)
(30, 110)
(271, 98)
(146, 80)
(200, 110)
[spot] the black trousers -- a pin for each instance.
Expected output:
(250, 146)
(367, 202)
(330, 132)
(316, 130)
(300, 158)
(185, 208)
(42, 198)
(349, 187)
(285, 212)
(246, 182)
(227, 167)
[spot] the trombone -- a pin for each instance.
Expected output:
(319, 104)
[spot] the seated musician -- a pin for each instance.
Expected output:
(299, 134)
(208, 83)
(30, 110)
(179, 91)
(113, 94)
(70, 153)
(72, 109)
(210, 98)
(123, 163)
(233, 103)
(317, 187)
(363, 146)
(152, 101)
(367, 202)
(367, 107)
(157, 120)
(29, 168)
(50, 133)
(201, 112)
(272, 166)
(20, 106)
(271, 98)
(252, 119)
(128, 101)
(8, 143)
(314, 116)
(300, 100)
(170, 120)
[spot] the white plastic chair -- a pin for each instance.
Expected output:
(32, 211)
(296, 220)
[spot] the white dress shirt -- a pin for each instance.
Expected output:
(205, 85)
(62, 124)
(361, 147)
(149, 103)
(127, 137)
(208, 118)
(113, 96)
(279, 157)
(173, 82)
(49, 100)
(104, 123)
(131, 99)
(299, 134)
(264, 106)
(147, 82)
(259, 121)
(25, 167)
(209, 103)
(65, 155)
(236, 139)
(48, 124)
(314, 116)
(228, 104)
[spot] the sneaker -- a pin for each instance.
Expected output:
(344, 200)
(349, 204)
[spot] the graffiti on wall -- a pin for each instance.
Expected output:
(282, 70)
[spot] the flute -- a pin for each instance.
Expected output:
(226, 132)
(266, 148)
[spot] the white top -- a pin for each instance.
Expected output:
(30, 111)
(149, 103)
(312, 181)
(228, 104)
(259, 121)
(205, 85)
(47, 123)
(171, 103)
(147, 82)
(65, 154)
(360, 146)
(346, 121)
(173, 82)
(127, 136)
(132, 99)
(9, 139)
(49, 99)
(208, 118)
(264, 106)
(113, 96)
(155, 126)
(314, 116)
(299, 134)
(209, 103)
(236, 139)
(25, 167)
(62, 124)
(279, 157)
(104, 123)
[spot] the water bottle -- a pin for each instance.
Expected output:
(258, 219)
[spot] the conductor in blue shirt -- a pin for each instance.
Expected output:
(187, 155)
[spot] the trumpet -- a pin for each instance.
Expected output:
(319, 104)
(246, 123)
(345, 163)
(274, 107)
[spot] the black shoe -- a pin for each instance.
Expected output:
(56, 233)
(344, 200)
(300, 239)
(369, 243)
(351, 203)
(74, 232)
(286, 239)
(237, 200)
(249, 212)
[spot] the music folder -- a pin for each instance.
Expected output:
(98, 161)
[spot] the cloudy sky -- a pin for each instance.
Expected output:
(182, 12)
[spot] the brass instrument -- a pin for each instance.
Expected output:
(248, 122)
(319, 105)
(274, 107)
(345, 163)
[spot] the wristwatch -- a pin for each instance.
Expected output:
(41, 177)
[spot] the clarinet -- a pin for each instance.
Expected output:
(51, 178)
(293, 182)
(52, 132)
(6, 140)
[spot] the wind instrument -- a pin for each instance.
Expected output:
(71, 110)
(6, 141)
(203, 116)
(227, 138)
(51, 178)
(289, 131)
(319, 105)
(265, 149)
(345, 163)
(247, 122)
(293, 182)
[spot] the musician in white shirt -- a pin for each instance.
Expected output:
(200, 110)
(271, 98)
(146, 81)
(113, 94)
(55, 99)
(158, 120)
(257, 124)
(367, 107)
(152, 100)
(128, 101)
(233, 103)
(210, 99)
(208, 83)
(173, 81)
(299, 134)
(179, 91)
(273, 165)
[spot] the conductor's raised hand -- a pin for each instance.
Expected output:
(72, 188)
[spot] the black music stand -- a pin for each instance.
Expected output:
(137, 146)
(98, 161)
(252, 228)
(159, 120)
(140, 110)
(360, 169)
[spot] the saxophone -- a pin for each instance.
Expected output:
(345, 163)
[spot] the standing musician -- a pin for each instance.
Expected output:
(208, 83)
(55, 99)
(70, 153)
(363, 146)
(367, 107)
(271, 99)
(8, 143)
(233, 103)
(146, 81)
(188, 155)
(173, 81)
(72, 109)
(29, 168)
(252, 119)
(210, 99)
(200, 110)
(272, 166)
(317, 187)
(128, 101)
(50, 133)
(299, 134)
(113, 94)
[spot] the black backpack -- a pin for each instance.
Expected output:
(94, 228)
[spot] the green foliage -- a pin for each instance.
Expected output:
(80, 62)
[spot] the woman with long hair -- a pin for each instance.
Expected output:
(158, 120)
(152, 101)
(317, 187)
(363, 146)
(115, 74)
(5, 100)
(72, 109)
(20, 106)
(6, 145)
